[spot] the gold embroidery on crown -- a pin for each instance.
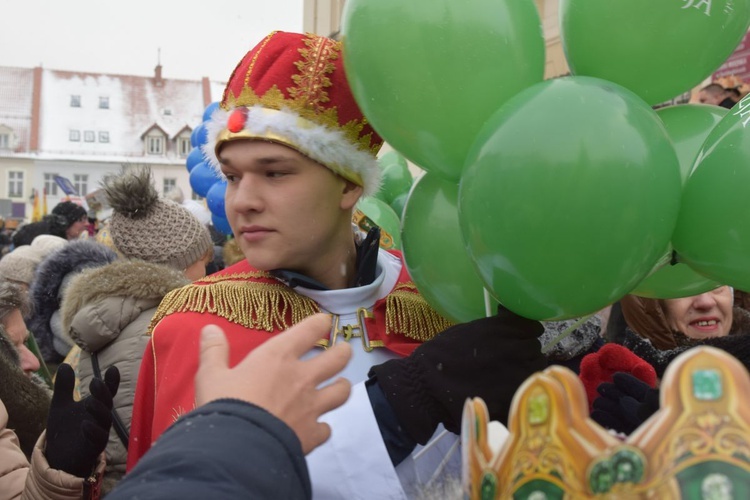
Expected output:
(316, 63)
(408, 313)
(328, 117)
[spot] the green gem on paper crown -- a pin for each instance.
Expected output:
(707, 385)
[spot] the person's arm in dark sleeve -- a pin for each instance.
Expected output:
(225, 449)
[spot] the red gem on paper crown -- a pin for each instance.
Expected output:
(237, 120)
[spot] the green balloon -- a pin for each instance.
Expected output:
(713, 229)
(435, 253)
(688, 126)
(569, 197)
(391, 157)
(428, 73)
(656, 48)
(396, 180)
(399, 203)
(673, 280)
(382, 216)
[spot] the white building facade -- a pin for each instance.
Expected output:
(86, 126)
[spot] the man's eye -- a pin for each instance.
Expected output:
(275, 173)
(230, 178)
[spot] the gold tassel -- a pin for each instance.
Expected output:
(408, 314)
(259, 306)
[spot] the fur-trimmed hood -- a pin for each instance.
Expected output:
(111, 297)
(45, 293)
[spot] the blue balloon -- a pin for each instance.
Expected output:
(215, 198)
(210, 110)
(199, 136)
(202, 177)
(194, 158)
(221, 224)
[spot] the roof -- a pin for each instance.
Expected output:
(115, 110)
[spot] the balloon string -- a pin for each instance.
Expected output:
(487, 303)
(565, 333)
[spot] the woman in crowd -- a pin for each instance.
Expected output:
(657, 332)
(64, 463)
(106, 310)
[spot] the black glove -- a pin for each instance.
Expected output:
(487, 358)
(625, 403)
(77, 431)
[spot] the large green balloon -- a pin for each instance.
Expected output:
(435, 253)
(687, 126)
(569, 197)
(656, 48)
(428, 73)
(396, 179)
(713, 230)
(383, 216)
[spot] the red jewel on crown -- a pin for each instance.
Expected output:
(237, 120)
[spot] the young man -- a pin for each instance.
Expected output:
(298, 154)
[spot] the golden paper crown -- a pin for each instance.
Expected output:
(697, 445)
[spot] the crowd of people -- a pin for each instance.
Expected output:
(303, 363)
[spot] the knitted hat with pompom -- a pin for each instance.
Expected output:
(145, 227)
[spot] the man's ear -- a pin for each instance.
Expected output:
(350, 195)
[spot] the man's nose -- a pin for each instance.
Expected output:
(29, 362)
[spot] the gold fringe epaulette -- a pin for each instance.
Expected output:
(407, 313)
(236, 299)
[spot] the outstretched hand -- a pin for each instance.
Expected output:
(273, 377)
(77, 431)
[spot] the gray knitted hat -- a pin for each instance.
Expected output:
(20, 264)
(152, 229)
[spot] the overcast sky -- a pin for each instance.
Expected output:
(197, 37)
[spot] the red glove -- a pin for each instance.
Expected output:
(600, 366)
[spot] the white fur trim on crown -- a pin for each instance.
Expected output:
(322, 144)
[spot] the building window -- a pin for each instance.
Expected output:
(197, 197)
(155, 145)
(4, 141)
(50, 185)
(169, 184)
(75, 135)
(75, 101)
(104, 102)
(15, 184)
(167, 112)
(89, 136)
(183, 146)
(81, 183)
(103, 136)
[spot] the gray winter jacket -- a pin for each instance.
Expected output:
(107, 310)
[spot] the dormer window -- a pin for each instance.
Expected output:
(154, 140)
(155, 145)
(183, 146)
(75, 101)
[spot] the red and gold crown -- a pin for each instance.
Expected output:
(291, 89)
